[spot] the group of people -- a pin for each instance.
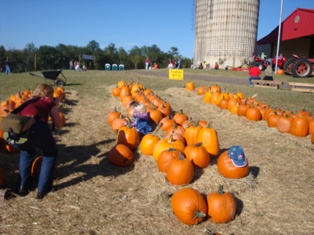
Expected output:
(75, 65)
(174, 64)
(206, 65)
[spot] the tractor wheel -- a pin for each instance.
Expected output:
(302, 68)
(288, 65)
(260, 65)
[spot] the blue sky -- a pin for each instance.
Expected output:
(125, 23)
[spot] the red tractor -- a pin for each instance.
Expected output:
(262, 64)
(299, 67)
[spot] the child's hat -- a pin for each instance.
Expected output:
(236, 153)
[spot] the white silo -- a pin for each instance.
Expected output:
(225, 31)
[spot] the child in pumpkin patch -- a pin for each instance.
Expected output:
(140, 117)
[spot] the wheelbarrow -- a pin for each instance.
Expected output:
(52, 75)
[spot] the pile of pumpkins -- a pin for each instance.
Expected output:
(15, 100)
(300, 123)
(186, 145)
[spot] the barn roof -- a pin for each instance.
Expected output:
(297, 25)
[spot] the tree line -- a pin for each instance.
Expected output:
(32, 58)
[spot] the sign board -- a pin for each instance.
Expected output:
(176, 74)
(87, 57)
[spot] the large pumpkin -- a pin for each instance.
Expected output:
(209, 138)
(227, 167)
(222, 206)
(129, 137)
(180, 171)
(120, 155)
(189, 206)
(191, 133)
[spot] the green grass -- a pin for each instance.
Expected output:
(90, 83)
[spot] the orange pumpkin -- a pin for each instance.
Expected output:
(209, 138)
(165, 158)
(189, 206)
(180, 117)
(198, 155)
(128, 136)
(148, 142)
(284, 123)
(300, 126)
(166, 143)
(222, 206)
(227, 168)
(191, 134)
(180, 171)
(120, 155)
(112, 116)
(190, 86)
(280, 72)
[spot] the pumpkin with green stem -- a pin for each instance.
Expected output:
(189, 206)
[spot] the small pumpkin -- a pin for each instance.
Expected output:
(280, 72)
(180, 117)
(222, 206)
(189, 206)
(120, 155)
(233, 164)
(112, 116)
(190, 86)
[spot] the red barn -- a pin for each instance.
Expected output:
(297, 36)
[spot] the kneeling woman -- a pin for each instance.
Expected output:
(40, 137)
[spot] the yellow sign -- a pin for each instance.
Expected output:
(176, 74)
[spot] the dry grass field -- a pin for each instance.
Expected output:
(93, 197)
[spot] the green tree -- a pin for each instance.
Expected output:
(136, 57)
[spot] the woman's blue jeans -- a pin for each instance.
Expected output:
(40, 136)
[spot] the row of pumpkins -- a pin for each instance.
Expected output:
(187, 144)
(6, 106)
(300, 123)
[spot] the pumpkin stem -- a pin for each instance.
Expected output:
(157, 128)
(208, 232)
(199, 214)
(221, 189)
(198, 144)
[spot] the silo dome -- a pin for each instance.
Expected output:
(225, 31)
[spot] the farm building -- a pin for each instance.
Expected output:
(225, 31)
(297, 36)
